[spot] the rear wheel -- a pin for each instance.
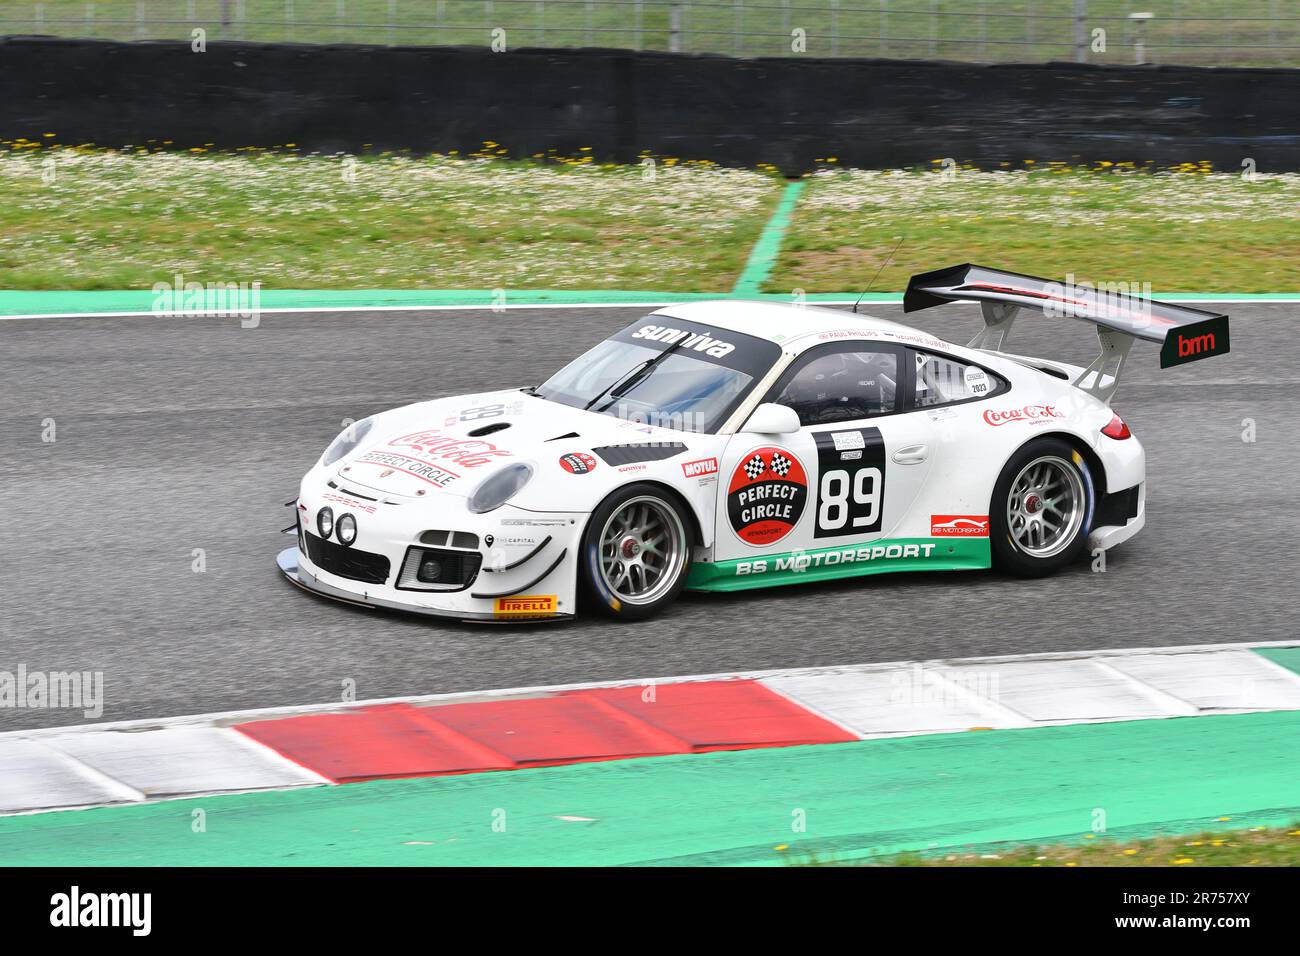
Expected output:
(635, 552)
(1041, 509)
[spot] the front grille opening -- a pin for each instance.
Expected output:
(450, 539)
(344, 561)
(438, 569)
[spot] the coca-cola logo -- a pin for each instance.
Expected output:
(1029, 413)
(434, 445)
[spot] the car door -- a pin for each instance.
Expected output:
(846, 478)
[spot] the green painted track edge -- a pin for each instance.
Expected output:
(77, 302)
(766, 251)
(864, 799)
(1288, 657)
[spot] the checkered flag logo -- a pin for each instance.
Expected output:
(780, 464)
(755, 467)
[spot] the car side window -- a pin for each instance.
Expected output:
(941, 381)
(843, 384)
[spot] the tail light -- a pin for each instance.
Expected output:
(1117, 429)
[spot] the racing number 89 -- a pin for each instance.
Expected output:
(836, 508)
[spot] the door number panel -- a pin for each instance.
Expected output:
(850, 482)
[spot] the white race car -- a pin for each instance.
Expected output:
(727, 445)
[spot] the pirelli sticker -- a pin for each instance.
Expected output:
(526, 605)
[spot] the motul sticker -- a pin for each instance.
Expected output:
(698, 469)
(577, 463)
(1029, 413)
(959, 526)
(766, 496)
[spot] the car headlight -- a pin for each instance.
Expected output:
(325, 521)
(499, 488)
(347, 440)
(346, 526)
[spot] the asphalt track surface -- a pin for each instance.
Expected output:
(175, 434)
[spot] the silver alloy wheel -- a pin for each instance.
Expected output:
(642, 550)
(1045, 506)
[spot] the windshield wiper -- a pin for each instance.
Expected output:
(634, 377)
(610, 387)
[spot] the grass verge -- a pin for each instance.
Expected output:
(85, 219)
(1189, 230)
(1259, 846)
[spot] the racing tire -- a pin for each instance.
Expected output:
(635, 553)
(1042, 509)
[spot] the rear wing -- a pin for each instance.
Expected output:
(1185, 335)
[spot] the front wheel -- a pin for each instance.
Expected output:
(635, 552)
(1041, 509)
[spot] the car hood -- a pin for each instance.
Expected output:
(450, 445)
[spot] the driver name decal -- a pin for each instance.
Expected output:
(766, 496)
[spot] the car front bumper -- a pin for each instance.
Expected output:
(514, 565)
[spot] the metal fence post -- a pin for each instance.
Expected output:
(738, 41)
(674, 28)
(934, 25)
(884, 27)
(588, 11)
(541, 22)
(1080, 31)
(835, 27)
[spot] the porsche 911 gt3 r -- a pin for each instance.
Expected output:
(728, 445)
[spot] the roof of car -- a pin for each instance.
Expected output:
(793, 326)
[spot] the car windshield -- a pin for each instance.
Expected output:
(664, 372)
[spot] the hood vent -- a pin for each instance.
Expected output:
(648, 451)
(569, 435)
(488, 429)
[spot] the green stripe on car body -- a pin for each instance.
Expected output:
(820, 564)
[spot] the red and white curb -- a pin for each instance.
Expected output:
(278, 748)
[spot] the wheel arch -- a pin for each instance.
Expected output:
(694, 525)
(1096, 467)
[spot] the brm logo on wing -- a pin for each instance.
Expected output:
(766, 496)
(1029, 413)
(698, 469)
(697, 341)
(959, 526)
(1194, 341)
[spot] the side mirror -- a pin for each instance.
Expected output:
(770, 419)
